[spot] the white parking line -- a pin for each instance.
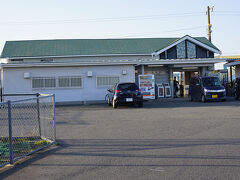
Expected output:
(158, 169)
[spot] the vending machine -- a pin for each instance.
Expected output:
(167, 89)
(161, 90)
(147, 86)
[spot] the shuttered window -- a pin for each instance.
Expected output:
(60, 82)
(50, 82)
(103, 81)
(37, 83)
(43, 82)
(70, 81)
(76, 82)
(63, 82)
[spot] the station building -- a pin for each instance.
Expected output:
(233, 62)
(81, 70)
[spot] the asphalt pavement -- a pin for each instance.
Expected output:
(165, 140)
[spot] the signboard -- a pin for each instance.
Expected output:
(147, 86)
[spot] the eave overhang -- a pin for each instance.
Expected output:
(117, 62)
(234, 63)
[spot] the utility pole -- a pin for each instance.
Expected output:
(209, 23)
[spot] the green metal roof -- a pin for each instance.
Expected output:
(206, 41)
(71, 47)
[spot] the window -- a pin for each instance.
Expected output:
(127, 86)
(69, 81)
(51, 82)
(63, 82)
(103, 81)
(43, 82)
(76, 82)
(211, 81)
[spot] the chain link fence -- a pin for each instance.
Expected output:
(26, 126)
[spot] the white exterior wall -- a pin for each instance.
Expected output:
(14, 82)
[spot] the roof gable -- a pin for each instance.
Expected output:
(200, 41)
(87, 47)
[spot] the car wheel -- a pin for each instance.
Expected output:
(109, 102)
(140, 104)
(236, 97)
(114, 104)
(203, 99)
(191, 98)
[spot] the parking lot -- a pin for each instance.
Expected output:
(166, 139)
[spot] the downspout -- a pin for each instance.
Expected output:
(171, 81)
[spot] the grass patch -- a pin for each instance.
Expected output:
(21, 146)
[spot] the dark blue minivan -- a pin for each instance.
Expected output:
(206, 88)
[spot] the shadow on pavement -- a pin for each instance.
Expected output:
(185, 102)
(115, 147)
(35, 157)
(129, 148)
(159, 103)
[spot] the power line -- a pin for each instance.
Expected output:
(227, 13)
(127, 18)
(130, 18)
(151, 33)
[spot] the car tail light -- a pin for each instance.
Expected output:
(138, 92)
(117, 91)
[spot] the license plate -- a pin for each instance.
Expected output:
(129, 99)
(215, 96)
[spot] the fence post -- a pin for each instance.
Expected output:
(54, 119)
(38, 114)
(10, 132)
(1, 94)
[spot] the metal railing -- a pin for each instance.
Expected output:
(26, 126)
(23, 96)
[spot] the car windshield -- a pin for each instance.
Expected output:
(211, 81)
(127, 86)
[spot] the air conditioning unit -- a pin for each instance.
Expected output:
(27, 75)
(124, 72)
(89, 73)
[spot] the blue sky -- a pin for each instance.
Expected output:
(77, 19)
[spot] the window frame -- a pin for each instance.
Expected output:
(70, 87)
(106, 86)
(56, 82)
(44, 82)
